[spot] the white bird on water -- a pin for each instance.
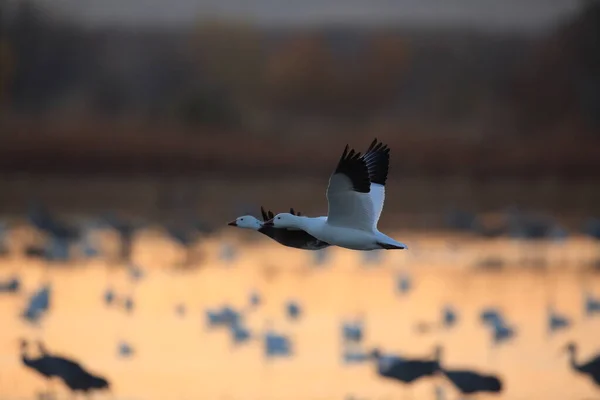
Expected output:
(355, 196)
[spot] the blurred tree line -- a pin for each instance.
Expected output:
(235, 75)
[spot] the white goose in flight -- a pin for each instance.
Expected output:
(355, 197)
(287, 237)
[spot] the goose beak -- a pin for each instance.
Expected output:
(268, 223)
(232, 223)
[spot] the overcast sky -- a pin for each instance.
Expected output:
(493, 14)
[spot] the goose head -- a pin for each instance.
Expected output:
(246, 222)
(283, 220)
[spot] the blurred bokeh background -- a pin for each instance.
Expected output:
(132, 131)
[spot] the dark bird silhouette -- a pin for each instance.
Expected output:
(471, 382)
(405, 370)
(40, 364)
(591, 368)
(75, 377)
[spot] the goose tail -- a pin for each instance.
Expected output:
(387, 243)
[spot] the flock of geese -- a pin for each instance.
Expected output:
(355, 195)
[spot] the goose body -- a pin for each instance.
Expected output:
(355, 196)
(295, 238)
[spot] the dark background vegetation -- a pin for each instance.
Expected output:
(230, 99)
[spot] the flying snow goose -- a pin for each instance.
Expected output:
(287, 237)
(355, 198)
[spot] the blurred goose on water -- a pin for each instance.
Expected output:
(276, 344)
(352, 331)
(556, 321)
(499, 327)
(591, 304)
(449, 316)
(38, 305)
(353, 356)
(254, 299)
(287, 237)
(491, 316)
(403, 283)
(128, 304)
(293, 310)
(11, 285)
(125, 350)
(355, 196)
(225, 316)
(109, 296)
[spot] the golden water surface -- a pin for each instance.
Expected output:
(178, 358)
